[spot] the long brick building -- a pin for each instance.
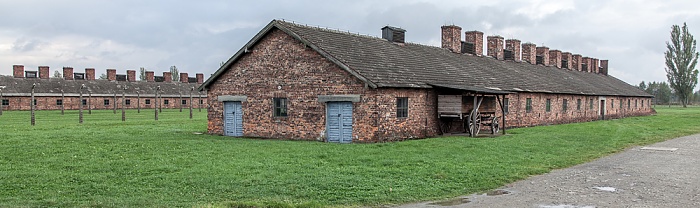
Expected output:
(293, 81)
(64, 93)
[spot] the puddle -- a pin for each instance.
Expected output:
(670, 149)
(452, 202)
(497, 192)
(610, 189)
(564, 206)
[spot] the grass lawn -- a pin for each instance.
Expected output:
(145, 163)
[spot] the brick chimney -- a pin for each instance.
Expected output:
(604, 67)
(18, 71)
(477, 39)
(68, 73)
(586, 64)
(167, 77)
(200, 76)
(543, 53)
(566, 60)
(183, 77)
(89, 73)
(594, 65)
(529, 53)
(111, 74)
(131, 75)
(577, 61)
(44, 72)
(513, 46)
(392, 34)
(150, 77)
(494, 46)
(555, 58)
(452, 38)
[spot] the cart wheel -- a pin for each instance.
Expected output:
(476, 122)
(494, 125)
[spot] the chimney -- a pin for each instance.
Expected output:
(183, 77)
(577, 61)
(530, 53)
(566, 60)
(44, 72)
(604, 67)
(111, 74)
(512, 47)
(452, 38)
(594, 66)
(18, 71)
(494, 46)
(586, 64)
(149, 76)
(476, 38)
(555, 58)
(167, 77)
(543, 55)
(200, 76)
(89, 73)
(68, 73)
(393, 34)
(131, 75)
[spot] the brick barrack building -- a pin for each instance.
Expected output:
(57, 93)
(293, 81)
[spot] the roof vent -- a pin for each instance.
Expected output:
(394, 34)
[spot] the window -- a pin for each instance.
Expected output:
(628, 103)
(59, 102)
(548, 105)
(127, 102)
(34, 101)
(106, 102)
(84, 102)
(578, 104)
(564, 105)
(166, 102)
(402, 107)
(505, 105)
(148, 101)
(621, 103)
(184, 102)
(612, 103)
(201, 101)
(635, 103)
(528, 105)
(590, 105)
(280, 107)
(5, 102)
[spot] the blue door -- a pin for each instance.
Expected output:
(233, 119)
(339, 122)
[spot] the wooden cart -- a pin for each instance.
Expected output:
(452, 110)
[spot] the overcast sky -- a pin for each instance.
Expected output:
(196, 36)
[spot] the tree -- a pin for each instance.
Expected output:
(103, 76)
(175, 73)
(642, 86)
(142, 74)
(681, 59)
(57, 74)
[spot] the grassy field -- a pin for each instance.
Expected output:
(145, 163)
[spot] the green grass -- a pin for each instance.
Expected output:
(145, 163)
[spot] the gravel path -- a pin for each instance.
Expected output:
(657, 175)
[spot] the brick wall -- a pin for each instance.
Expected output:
(280, 66)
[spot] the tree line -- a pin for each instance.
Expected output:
(664, 94)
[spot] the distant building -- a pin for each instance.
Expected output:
(56, 93)
(293, 81)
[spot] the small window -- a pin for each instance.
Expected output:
(5, 102)
(505, 105)
(166, 102)
(628, 103)
(148, 101)
(635, 103)
(127, 102)
(612, 103)
(528, 105)
(201, 101)
(548, 105)
(578, 104)
(84, 101)
(621, 103)
(35, 102)
(106, 102)
(590, 105)
(402, 107)
(280, 107)
(184, 102)
(564, 105)
(59, 102)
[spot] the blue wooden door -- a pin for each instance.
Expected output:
(339, 122)
(233, 119)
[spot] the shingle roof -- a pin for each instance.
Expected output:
(53, 86)
(385, 64)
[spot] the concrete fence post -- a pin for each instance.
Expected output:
(31, 104)
(156, 98)
(123, 103)
(63, 100)
(114, 107)
(138, 101)
(80, 111)
(1, 87)
(191, 90)
(180, 101)
(89, 101)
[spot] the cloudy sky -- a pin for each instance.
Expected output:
(196, 36)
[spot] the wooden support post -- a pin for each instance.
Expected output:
(502, 102)
(473, 118)
(32, 104)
